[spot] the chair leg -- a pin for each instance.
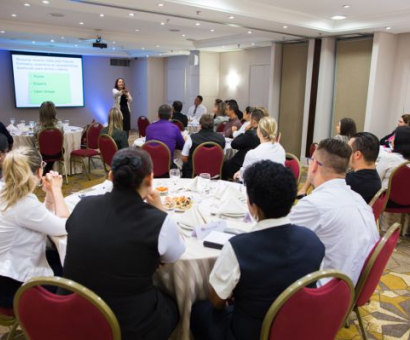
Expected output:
(359, 318)
(85, 169)
(71, 165)
(65, 170)
(12, 333)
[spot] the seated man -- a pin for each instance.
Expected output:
(205, 134)
(176, 113)
(232, 110)
(243, 143)
(257, 266)
(364, 178)
(165, 131)
(198, 109)
(338, 215)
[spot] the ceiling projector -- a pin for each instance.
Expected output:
(99, 44)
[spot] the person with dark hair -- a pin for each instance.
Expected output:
(205, 134)
(122, 100)
(338, 215)
(345, 129)
(387, 141)
(257, 267)
(116, 242)
(232, 112)
(177, 114)
(4, 131)
(4, 148)
(219, 111)
(243, 143)
(401, 153)
(165, 131)
(364, 178)
(197, 110)
(245, 122)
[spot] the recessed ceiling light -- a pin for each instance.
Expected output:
(2, 32)
(46, 2)
(114, 42)
(212, 30)
(102, 15)
(249, 32)
(338, 17)
(162, 23)
(158, 46)
(62, 37)
(160, 5)
(52, 40)
(184, 35)
(231, 17)
(198, 24)
(131, 14)
(346, 6)
(137, 30)
(14, 15)
(143, 48)
(27, 5)
(81, 23)
(388, 28)
(253, 44)
(285, 27)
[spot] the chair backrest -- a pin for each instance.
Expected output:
(84, 134)
(374, 265)
(81, 315)
(312, 149)
(50, 142)
(221, 127)
(160, 155)
(107, 147)
(378, 203)
(179, 124)
(142, 123)
(310, 313)
(208, 157)
(292, 162)
(399, 185)
(93, 133)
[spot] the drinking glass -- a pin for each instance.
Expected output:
(174, 175)
(31, 125)
(12, 121)
(204, 183)
(66, 123)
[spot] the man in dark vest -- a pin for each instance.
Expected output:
(256, 267)
(205, 134)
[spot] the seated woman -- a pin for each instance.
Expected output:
(117, 241)
(401, 153)
(345, 129)
(25, 222)
(245, 122)
(267, 149)
(114, 129)
(48, 119)
(256, 267)
(219, 111)
(387, 141)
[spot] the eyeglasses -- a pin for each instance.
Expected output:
(311, 160)
(43, 164)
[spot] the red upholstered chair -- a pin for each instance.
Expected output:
(221, 127)
(81, 315)
(312, 149)
(208, 158)
(310, 313)
(373, 269)
(84, 135)
(108, 148)
(142, 123)
(160, 155)
(292, 162)
(179, 124)
(50, 142)
(378, 204)
(91, 151)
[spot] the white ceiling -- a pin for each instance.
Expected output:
(55, 27)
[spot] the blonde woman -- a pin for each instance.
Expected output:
(25, 222)
(114, 128)
(268, 149)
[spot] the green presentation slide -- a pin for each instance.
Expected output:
(53, 87)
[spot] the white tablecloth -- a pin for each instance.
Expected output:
(72, 141)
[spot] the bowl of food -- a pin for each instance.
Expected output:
(183, 203)
(163, 191)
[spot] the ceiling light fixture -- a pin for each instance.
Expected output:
(253, 44)
(388, 28)
(143, 48)
(52, 40)
(102, 15)
(184, 35)
(137, 30)
(346, 6)
(114, 42)
(75, 45)
(162, 23)
(14, 15)
(338, 17)
(160, 5)
(62, 37)
(285, 27)
(131, 14)
(158, 46)
(27, 5)
(198, 24)
(46, 2)
(2, 32)
(231, 17)
(223, 46)
(81, 23)
(249, 32)
(33, 42)
(212, 30)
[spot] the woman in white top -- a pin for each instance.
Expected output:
(25, 222)
(401, 153)
(246, 121)
(122, 100)
(268, 149)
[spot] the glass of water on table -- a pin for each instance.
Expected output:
(204, 183)
(174, 175)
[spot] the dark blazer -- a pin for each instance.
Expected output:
(181, 117)
(5, 132)
(243, 143)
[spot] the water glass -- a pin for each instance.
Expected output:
(12, 121)
(66, 123)
(204, 183)
(174, 175)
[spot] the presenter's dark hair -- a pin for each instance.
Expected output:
(164, 112)
(177, 105)
(368, 144)
(129, 168)
(271, 187)
(402, 141)
(116, 83)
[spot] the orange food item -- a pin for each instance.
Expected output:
(162, 189)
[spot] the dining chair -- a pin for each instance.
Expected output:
(307, 313)
(91, 151)
(108, 148)
(8, 319)
(292, 162)
(398, 192)
(372, 271)
(84, 135)
(51, 146)
(221, 127)
(142, 123)
(81, 315)
(208, 157)
(179, 124)
(378, 204)
(312, 149)
(160, 155)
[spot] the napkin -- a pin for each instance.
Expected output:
(226, 193)
(11, 128)
(192, 217)
(232, 207)
(193, 185)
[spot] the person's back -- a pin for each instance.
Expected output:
(119, 136)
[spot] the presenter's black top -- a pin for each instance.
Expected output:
(126, 115)
(365, 182)
(113, 250)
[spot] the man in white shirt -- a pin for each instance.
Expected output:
(197, 110)
(338, 215)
